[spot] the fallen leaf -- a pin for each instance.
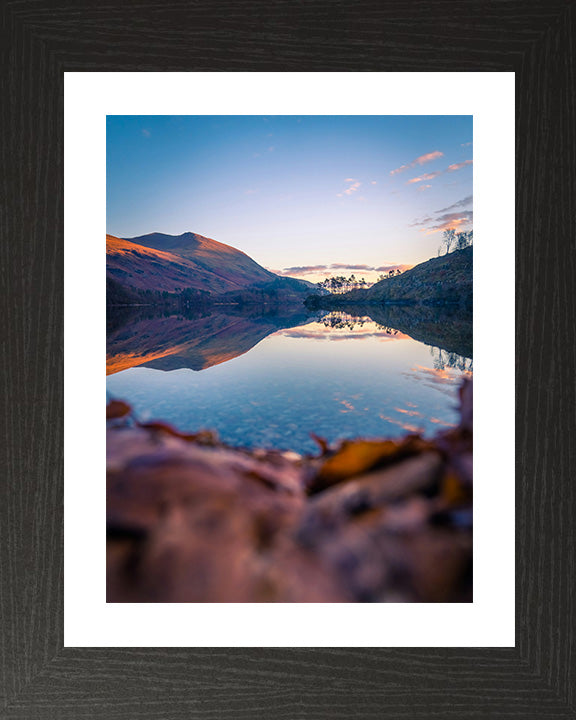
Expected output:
(117, 409)
(321, 442)
(355, 457)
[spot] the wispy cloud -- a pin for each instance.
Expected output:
(424, 187)
(335, 267)
(400, 169)
(343, 266)
(146, 132)
(428, 157)
(451, 220)
(444, 219)
(353, 186)
(461, 203)
(458, 166)
(421, 221)
(465, 144)
(436, 173)
(425, 176)
(302, 270)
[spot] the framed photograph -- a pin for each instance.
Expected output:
(86, 91)
(381, 513)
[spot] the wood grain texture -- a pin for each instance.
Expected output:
(39, 40)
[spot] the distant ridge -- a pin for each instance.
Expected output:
(444, 280)
(173, 264)
(232, 265)
(146, 268)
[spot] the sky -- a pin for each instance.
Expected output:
(305, 196)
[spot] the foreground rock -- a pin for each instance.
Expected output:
(190, 520)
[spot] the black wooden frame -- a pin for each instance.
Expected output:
(39, 40)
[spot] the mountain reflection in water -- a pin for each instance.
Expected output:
(270, 377)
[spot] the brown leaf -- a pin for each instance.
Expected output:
(203, 437)
(117, 409)
(355, 457)
(381, 486)
(453, 492)
(359, 456)
(321, 442)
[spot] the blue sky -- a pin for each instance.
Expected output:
(295, 192)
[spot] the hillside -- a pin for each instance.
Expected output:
(189, 263)
(145, 267)
(232, 266)
(445, 280)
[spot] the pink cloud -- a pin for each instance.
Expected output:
(353, 187)
(428, 157)
(458, 166)
(425, 176)
(400, 169)
(451, 220)
(432, 175)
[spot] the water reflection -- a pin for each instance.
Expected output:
(269, 377)
(195, 339)
(443, 359)
(344, 321)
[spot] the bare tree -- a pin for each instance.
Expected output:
(463, 240)
(449, 238)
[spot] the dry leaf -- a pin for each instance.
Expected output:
(117, 409)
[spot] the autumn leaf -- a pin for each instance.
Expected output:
(321, 442)
(355, 457)
(117, 409)
(453, 492)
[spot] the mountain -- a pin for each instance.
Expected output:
(225, 262)
(160, 263)
(166, 263)
(445, 280)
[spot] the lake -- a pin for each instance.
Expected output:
(270, 377)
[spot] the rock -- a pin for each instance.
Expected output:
(192, 520)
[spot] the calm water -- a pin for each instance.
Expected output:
(264, 380)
